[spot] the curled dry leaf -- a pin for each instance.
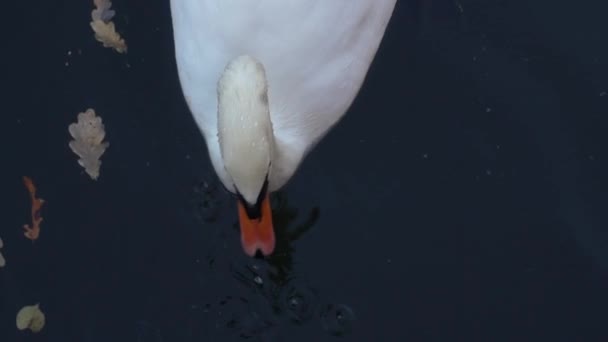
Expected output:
(30, 317)
(102, 10)
(2, 260)
(104, 29)
(106, 34)
(33, 232)
(88, 134)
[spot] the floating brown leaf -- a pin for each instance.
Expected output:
(104, 29)
(33, 232)
(102, 10)
(106, 34)
(30, 317)
(88, 134)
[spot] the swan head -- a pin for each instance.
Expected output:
(246, 143)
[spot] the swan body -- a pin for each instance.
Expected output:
(265, 80)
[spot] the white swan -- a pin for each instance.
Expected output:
(265, 80)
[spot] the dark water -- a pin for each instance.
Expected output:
(462, 197)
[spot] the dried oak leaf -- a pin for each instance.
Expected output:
(33, 232)
(30, 317)
(88, 134)
(106, 34)
(102, 10)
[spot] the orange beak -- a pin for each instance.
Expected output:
(257, 233)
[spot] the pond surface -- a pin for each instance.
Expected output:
(461, 198)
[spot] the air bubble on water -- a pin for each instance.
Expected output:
(298, 301)
(337, 319)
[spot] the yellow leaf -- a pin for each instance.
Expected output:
(30, 317)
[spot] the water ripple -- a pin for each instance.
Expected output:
(207, 200)
(300, 302)
(337, 319)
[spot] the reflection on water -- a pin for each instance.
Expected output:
(269, 293)
(283, 216)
